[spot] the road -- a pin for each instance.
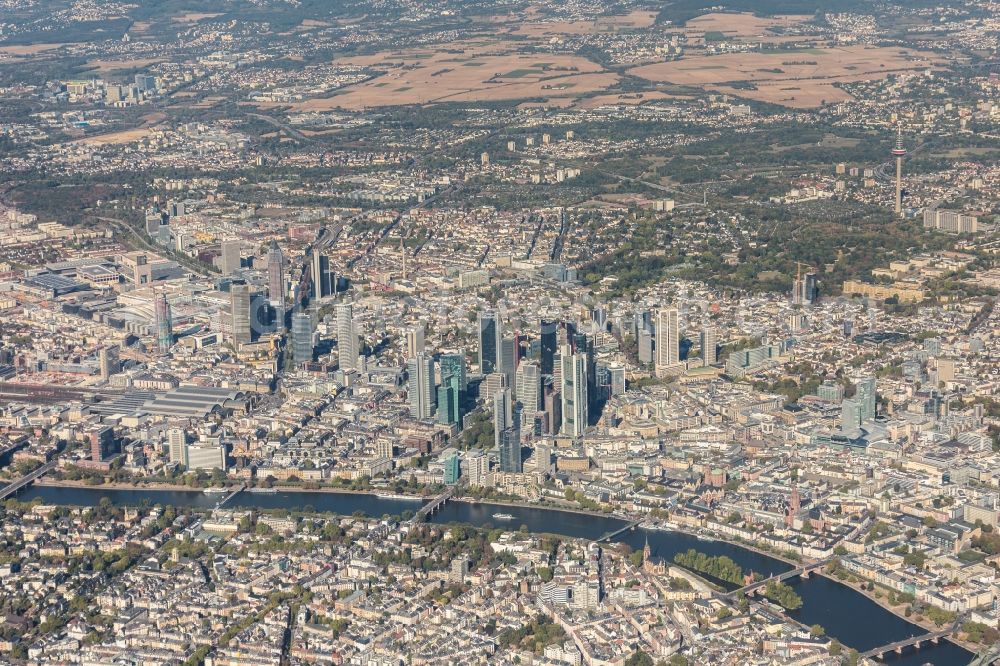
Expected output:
(290, 131)
(191, 264)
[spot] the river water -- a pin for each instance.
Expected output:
(846, 615)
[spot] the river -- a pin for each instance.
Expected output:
(847, 615)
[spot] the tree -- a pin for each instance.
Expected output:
(639, 658)
(783, 595)
(817, 630)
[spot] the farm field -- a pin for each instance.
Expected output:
(602, 24)
(744, 26)
(801, 79)
(484, 71)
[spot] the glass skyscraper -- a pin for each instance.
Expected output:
(510, 450)
(302, 338)
(489, 341)
(549, 341)
(451, 393)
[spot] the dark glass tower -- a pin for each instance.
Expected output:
(489, 341)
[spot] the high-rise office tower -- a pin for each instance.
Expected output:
(549, 341)
(452, 469)
(617, 380)
(848, 327)
(645, 344)
(477, 465)
(543, 456)
(898, 152)
(709, 345)
(805, 288)
(489, 341)
(599, 390)
(810, 288)
(302, 338)
(503, 412)
(668, 341)
(510, 450)
(323, 279)
(508, 359)
(239, 302)
(830, 391)
(177, 446)
(850, 416)
(276, 283)
(454, 365)
(420, 386)
(574, 392)
(599, 316)
(164, 323)
(229, 258)
(528, 386)
(866, 398)
(584, 345)
(414, 340)
(347, 337)
(107, 360)
(447, 402)
(451, 393)
(552, 400)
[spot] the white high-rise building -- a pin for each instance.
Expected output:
(668, 342)
(347, 337)
(709, 345)
(573, 388)
(528, 386)
(420, 386)
(415, 341)
(239, 303)
(177, 445)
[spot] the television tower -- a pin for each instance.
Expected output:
(402, 254)
(898, 152)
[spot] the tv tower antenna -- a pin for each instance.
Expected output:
(402, 252)
(898, 152)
